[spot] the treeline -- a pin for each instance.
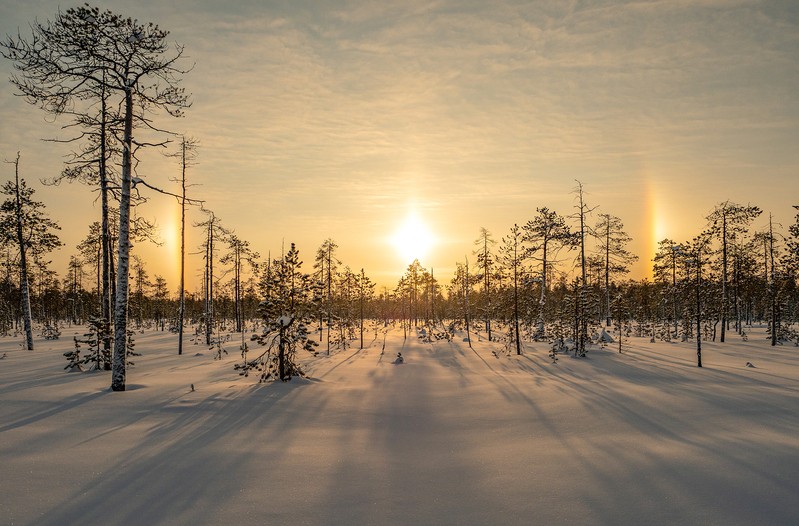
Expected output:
(562, 279)
(532, 276)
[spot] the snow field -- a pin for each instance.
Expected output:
(452, 436)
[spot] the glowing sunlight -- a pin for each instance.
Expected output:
(412, 239)
(170, 237)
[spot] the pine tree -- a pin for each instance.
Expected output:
(612, 241)
(546, 235)
(726, 220)
(326, 265)
(347, 289)
(512, 258)
(697, 256)
(90, 249)
(621, 309)
(239, 254)
(160, 298)
(73, 285)
(366, 290)
(74, 359)
(141, 282)
(460, 289)
(25, 226)
(793, 245)
(664, 268)
(414, 280)
(485, 262)
(287, 311)
(98, 356)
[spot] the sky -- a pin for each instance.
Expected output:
(349, 119)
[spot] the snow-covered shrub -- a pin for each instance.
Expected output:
(288, 314)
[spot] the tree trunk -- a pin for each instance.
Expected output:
(281, 353)
(487, 280)
(674, 292)
(23, 265)
(698, 311)
(363, 276)
(433, 300)
(237, 285)
(466, 302)
(123, 253)
(209, 310)
(107, 309)
(99, 272)
(542, 299)
(607, 276)
(772, 285)
(723, 278)
(516, 299)
(182, 299)
(329, 292)
(583, 320)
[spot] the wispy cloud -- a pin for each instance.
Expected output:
(472, 105)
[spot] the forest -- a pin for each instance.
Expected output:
(559, 277)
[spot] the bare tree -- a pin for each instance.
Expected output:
(56, 68)
(582, 317)
(133, 62)
(188, 151)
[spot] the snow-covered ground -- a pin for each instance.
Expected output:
(451, 436)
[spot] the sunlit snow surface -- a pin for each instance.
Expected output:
(450, 436)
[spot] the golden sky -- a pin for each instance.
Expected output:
(342, 119)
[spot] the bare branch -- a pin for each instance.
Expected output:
(137, 181)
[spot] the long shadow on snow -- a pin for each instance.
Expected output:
(183, 470)
(413, 470)
(600, 395)
(653, 423)
(52, 409)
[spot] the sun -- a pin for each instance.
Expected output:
(412, 239)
